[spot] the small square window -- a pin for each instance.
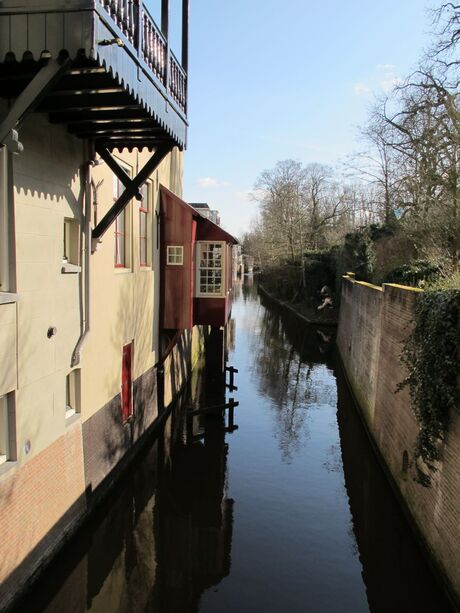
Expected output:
(175, 255)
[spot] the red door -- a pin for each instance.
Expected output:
(126, 383)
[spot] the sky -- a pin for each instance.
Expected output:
(270, 81)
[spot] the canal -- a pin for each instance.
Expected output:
(284, 510)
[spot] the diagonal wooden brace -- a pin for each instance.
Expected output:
(30, 97)
(132, 187)
(114, 167)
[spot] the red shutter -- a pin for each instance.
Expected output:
(126, 383)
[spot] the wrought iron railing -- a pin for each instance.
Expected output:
(140, 29)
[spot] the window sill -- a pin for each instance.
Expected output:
(119, 270)
(7, 297)
(6, 466)
(68, 268)
(71, 418)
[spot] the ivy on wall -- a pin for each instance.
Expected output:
(431, 357)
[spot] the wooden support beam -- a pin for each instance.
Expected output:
(132, 187)
(218, 407)
(94, 101)
(165, 32)
(33, 94)
(165, 18)
(185, 27)
(123, 113)
(117, 170)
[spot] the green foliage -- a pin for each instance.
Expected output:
(416, 274)
(284, 282)
(431, 357)
(319, 270)
(356, 255)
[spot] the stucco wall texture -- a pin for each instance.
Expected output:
(374, 322)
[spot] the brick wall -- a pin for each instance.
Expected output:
(359, 340)
(106, 439)
(40, 500)
(370, 339)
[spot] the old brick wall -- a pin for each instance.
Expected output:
(358, 340)
(107, 440)
(435, 510)
(51, 484)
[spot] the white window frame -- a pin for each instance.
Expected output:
(72, 393)
(145, 208)
(118, 188)
(6, 238)
(199, 267)
(172, 253)
(6, 452)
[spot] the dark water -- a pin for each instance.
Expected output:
(288, 513)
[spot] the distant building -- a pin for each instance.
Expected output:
(203, 208)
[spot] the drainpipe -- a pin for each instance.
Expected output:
(86, 170)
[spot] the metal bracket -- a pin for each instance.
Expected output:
(132, 186)
(28, 100)
(11, 142)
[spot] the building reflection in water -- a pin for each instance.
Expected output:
(163, 536)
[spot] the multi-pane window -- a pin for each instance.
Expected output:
(144, 226)
(210, 268)
(120, 240)
(122, 259)
(175, 255)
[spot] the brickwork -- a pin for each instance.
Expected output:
(40, 501)
(106, 439)
(435, 509)
(359, 340)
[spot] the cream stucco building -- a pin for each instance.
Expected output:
(92, 122)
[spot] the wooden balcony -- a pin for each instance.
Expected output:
(120, 84)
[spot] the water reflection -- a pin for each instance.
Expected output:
(395, 572)
(164, 535)
(292, 366)
(293, 513)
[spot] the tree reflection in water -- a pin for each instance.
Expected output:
(292, 366)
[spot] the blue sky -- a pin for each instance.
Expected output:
(276, 80)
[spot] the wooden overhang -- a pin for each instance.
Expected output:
(182, 225)
(101, 67)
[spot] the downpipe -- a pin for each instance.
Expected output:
(86, 170)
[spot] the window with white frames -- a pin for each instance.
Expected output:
(210, 269)
(70, 248)
(122, 225)
(145, 226)
(4, 237)
(175, 255)
(4, 430)
(72, 393)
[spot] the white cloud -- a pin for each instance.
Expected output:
(361, 89)
(388, 84)
(210, 182)
(386, 66)
(244, 196)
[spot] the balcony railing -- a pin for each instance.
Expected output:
(141, 31)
